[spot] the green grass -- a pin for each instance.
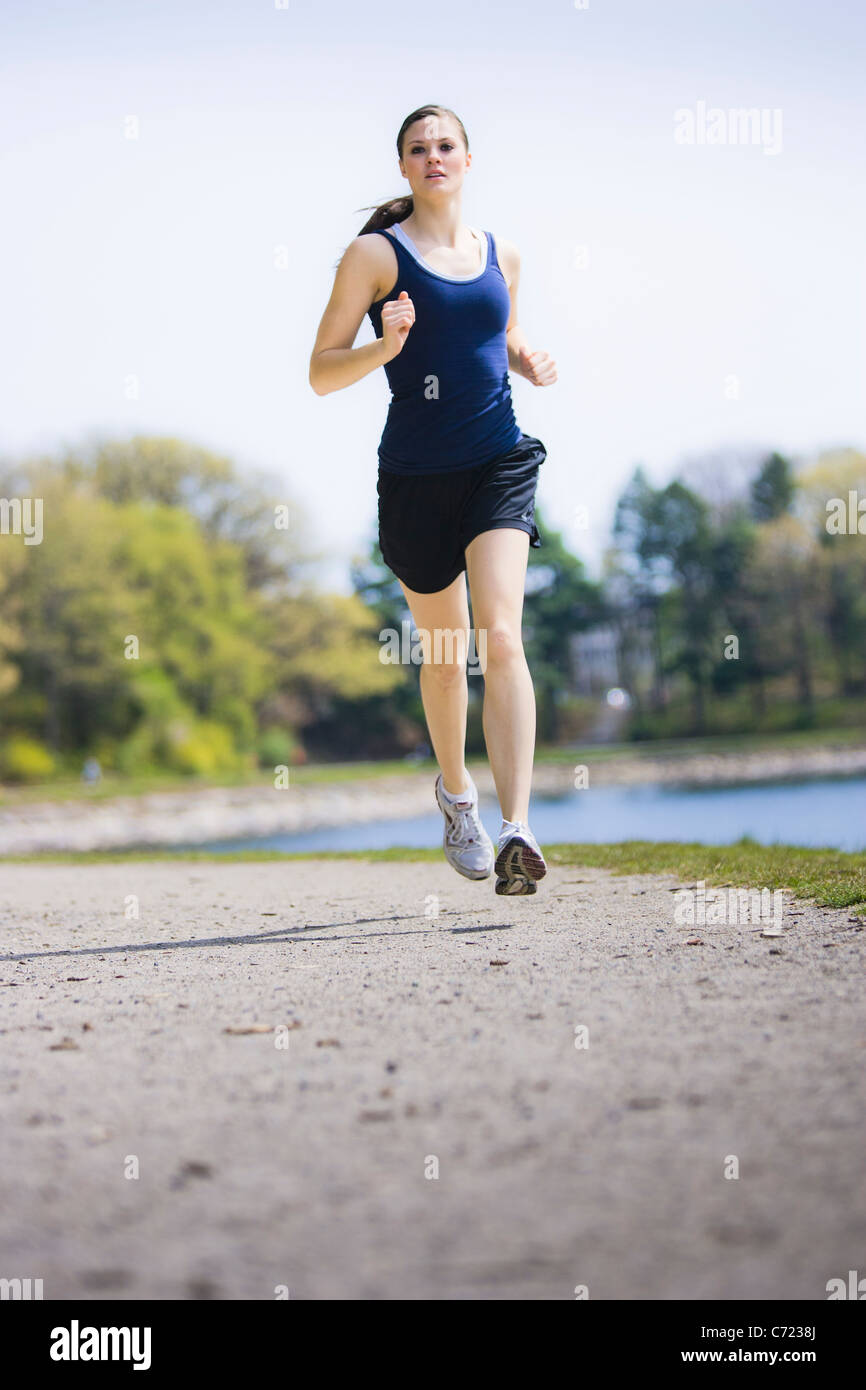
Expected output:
(716, 743)
(830, 877)
(146, 784)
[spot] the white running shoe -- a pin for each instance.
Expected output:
(519, 862)
(468, 847)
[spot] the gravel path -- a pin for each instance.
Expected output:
(401, 1018)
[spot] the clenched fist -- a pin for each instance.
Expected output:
(398, 315)
(537, 367)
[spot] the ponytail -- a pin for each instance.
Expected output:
(386, 214)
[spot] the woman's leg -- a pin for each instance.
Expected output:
(444, 692)
(496, 566)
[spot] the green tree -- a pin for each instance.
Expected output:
(329, 678)
(666, 541)
(560, 601)
(773, 489)
(637, 582)
(73, 606)
(841, 561)
(251, 510)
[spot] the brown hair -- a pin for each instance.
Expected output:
(398, 209)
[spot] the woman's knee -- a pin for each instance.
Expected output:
(503, 645)
(445, 674)
(445, 652)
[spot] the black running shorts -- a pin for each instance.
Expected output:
(427, 520)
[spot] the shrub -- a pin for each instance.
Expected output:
(202, 748)
(138, 753)
(277, 748)
(22, 759)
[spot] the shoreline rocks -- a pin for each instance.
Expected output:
(165, 819)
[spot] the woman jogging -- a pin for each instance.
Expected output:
(457, 477)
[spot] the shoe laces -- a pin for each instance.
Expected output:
(461, 827)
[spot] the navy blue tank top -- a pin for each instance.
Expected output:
(450, 402)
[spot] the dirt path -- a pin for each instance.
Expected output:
(415, 1039)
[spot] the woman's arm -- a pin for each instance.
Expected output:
(334, 362)
(537, 367)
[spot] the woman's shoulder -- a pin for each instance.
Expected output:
(375, 248)
(369, 245)
(508, 256)
(506, 249)
(371, 256)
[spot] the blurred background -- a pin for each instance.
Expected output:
(193, 609)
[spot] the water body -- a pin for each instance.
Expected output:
(823, 813)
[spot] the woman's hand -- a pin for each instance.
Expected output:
(398, 315)
(537, 367)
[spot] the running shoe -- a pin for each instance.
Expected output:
(519, 863)
(468, 847)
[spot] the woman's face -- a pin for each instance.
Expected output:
(434, 156)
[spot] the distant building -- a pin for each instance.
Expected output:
(595, 659)
(595, 662)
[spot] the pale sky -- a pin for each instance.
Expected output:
(262, 128)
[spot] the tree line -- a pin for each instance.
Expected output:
(169, 617)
